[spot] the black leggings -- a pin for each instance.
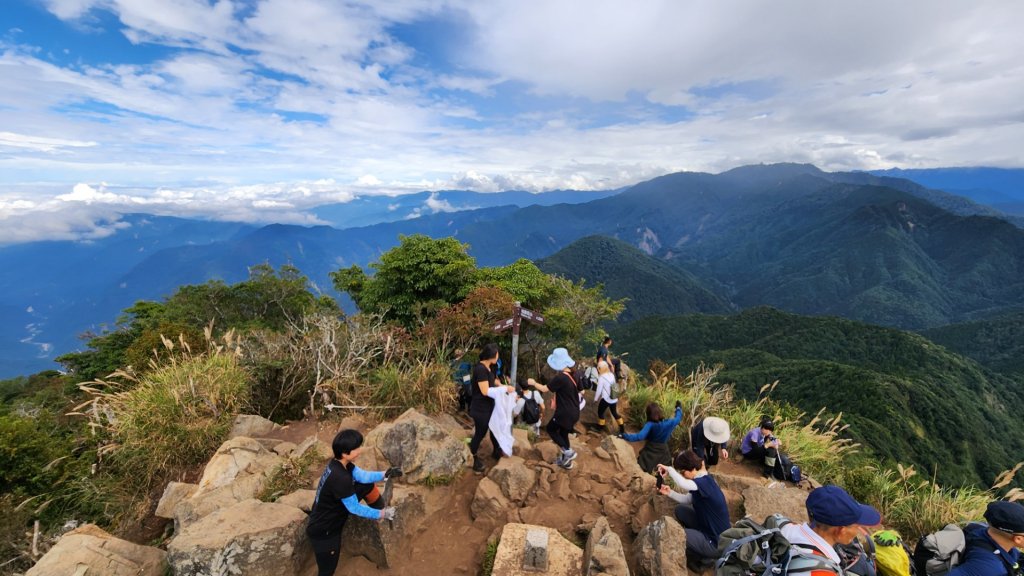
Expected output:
(481, 428)
(559, 434)
(328, 550)
(602, 405)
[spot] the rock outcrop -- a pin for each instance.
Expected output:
(380, 541)
(252, 426)
(250, 538)
(514, 478)
(660, 549)
(417, 444)
(89, 550)
(489, 503)
(604, 555)
(759, 502)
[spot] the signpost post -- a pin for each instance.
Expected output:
(518, 315)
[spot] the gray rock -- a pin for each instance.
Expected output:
(284, 448)
(564, 557)
(489, 504)
(323, 449)
(514, 478)
(621, 452)
(174, 494)
(380, 540)
(251, 538)
(417, 444)
(91, 550)
(604, 555)
(759, 502)
(252, 426)
(301, 499)
(660, 549)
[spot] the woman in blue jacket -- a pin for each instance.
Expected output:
(656, 431)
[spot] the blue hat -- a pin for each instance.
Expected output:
(833, 506)
(1006, 516)
(559, 360)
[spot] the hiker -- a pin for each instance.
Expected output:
(701, 510)
(341, 487)
(482, 407)
(604, 354)
(566, 401)
(656, 431)
(992, 550)
(603, 392)
(530, 395)
(708, 438)
(835, 519)
(761, 446)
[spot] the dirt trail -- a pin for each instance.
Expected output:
(450, 542)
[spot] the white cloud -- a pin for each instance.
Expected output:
(39, 143)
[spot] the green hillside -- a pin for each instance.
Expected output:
(905, 398)
(997, 341)
(652, 286)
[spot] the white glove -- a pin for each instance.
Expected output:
(388, 513)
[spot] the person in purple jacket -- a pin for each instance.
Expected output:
(341, 487)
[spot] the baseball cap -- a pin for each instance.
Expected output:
(1006, 516)
(833, 506)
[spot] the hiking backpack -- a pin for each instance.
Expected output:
(752, 549)
(588, 381)
(858, 557)
(614, 390)
(892, 557)
(937, 553)
(531, 410)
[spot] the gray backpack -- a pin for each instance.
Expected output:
(752, 549)
(937, 553)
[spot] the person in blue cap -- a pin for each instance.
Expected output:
(835, 518)
(992, 550)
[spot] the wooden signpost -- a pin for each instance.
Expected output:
(518, 315)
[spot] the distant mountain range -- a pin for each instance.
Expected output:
(877, 249)
(1000, 188)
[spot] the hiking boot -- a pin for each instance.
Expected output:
(621, 422)
(478, 465)
(568, 465)
(600, 422)
(569, 456)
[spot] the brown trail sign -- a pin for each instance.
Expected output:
(518, 315)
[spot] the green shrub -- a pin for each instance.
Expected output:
(290, 476)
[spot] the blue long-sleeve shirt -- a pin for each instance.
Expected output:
(657, 431)
(352, 502)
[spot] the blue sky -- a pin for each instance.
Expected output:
(257, 110)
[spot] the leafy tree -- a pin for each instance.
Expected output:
(418, 277)
(523, 280)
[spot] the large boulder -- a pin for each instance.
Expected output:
(514, 478)
(563, 557)
(660, 549)
(90, 551)
(238, 457)
(203, 503)
(323, 449)
(174, 494)
(252, 426)
(417, 444)
(301, 499)
(251, 538)
(380, 540)
(622, 454)
(603, 555)
(489, 503)
(759, 502)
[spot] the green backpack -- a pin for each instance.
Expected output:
(752, 549)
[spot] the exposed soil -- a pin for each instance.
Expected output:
(450, 542)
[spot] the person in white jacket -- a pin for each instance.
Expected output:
(605, 381)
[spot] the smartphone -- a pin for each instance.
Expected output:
(659, 481)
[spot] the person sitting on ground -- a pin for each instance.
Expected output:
(835, 519)
(605, 381)
(566, 401)
(761, 446)
(701, 510)
(708, 438)
(341, 487)
(657, 432)
(530, 394)
(993, 550)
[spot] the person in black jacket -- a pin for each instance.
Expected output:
(567, 404)
(482, 405)
(341, 487)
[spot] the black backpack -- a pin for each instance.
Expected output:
(938, 552)
(531, 411)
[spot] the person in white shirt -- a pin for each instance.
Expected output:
(835, 518)
(603, 393)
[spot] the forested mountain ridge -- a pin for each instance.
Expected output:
(899, 392)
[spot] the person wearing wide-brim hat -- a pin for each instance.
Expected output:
(708, 438)
(567, 407)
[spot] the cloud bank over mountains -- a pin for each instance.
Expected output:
(259, 109)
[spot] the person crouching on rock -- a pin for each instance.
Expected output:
(708, 438)
(657, 431)
(567, 404)
(341, 487)
(702, 509)
(482, 406)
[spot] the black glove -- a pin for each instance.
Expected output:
(393, 473)
(679, 404)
